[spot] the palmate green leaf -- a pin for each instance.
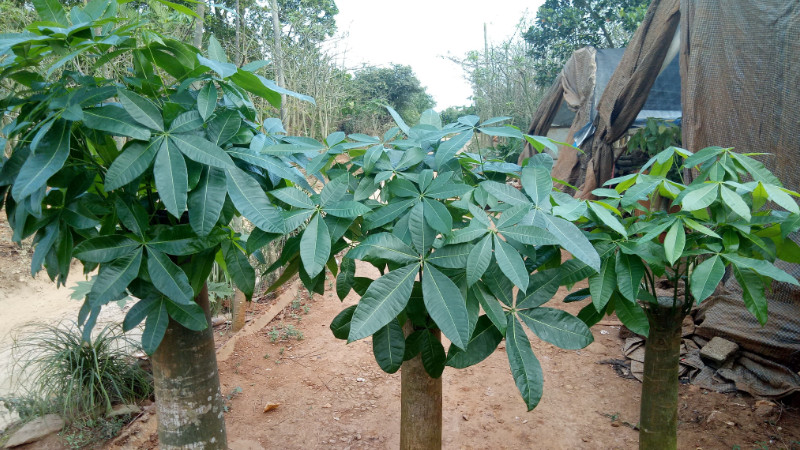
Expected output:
(482, 343)
(437, 216)
(131, 163)
(201, 150)
(779, 196)
(528, 234)
(448, 149)
(190, 316)
(388, 346)
(499, 285)
(155, 327)
(422, 235)
(542, 286)
(223, 126)
(755, 168)
(347, 209)
(186, 122)
(103, 249)
(590, 316)
(115, 120)
(674, 242)
(607, 218)
(630, 271)
(510, 263)
(557, 327)
(315, 246)
(138, 312)
(700, 198)
(249, 198)
(490, 306)
(451, 256)
(632, 315)
(272, 164)
(387, 213)
(525, 367)
(445, 305)
(340, 326)
(172, 178)
(572, 240)
(603, 283)
(762, 267)
(432, 354)
(206, 200)
(705, 278)
(505, 193)
(168, 278)
(141, 109)
(345, 278)
(224, 70)
(43, 242)
(114, 277)
(735, 203)
(45, 162)
(752, 292)
(207, 100)
(239, 268)
(383, 301)
(384, 246)
(51, 11)
(537, 183)
(293, 197)
(478, 260)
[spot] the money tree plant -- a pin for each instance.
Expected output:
(665, 246)
(462, 254)
(137, 175)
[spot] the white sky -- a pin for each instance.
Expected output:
(418, 33)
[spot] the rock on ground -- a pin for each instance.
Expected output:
(36, 430)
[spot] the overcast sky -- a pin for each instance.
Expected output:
(419, 32)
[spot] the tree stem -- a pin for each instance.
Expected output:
(420, 404)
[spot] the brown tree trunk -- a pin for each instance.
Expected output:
(238, 311)
(658, 418)
(188, 399)
(197, 37)
(420, 405)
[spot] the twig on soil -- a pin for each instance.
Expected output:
(615, 418)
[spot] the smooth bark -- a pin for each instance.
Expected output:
(420, 405)
(658, 419)
(188, 398)
(238, 311)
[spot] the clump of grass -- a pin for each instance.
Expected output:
(58, 372)
(284, 333)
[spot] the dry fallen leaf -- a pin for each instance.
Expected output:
(271, 406)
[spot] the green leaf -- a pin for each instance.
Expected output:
(700, 227)
(388, 346)
(572, 240)
(525, 367)
(752, 292)
(422, 235)
(383, 301)
(50, 11)
(557, 327)
(180, 8)
(674, 242)
(115, 120)
(607, 218)
(529, 234)
(701, 197)
(398, 120)
(201, 150)
(384, 246)
(114, 277)
(345, 278)
(387, 213)
(705, 278)
(632, 315)
(437, 216)
(537, 183)
(761, 267)
(483, 343)
(48, 159)
(490, 306)
(239, 268)
(207, 100)
(224, 70)
(430, 117)
(755, 168)
(432, 353)
(223, 127)
(190, 316)
(172, 178)
(141, 109)
(346, 209)
(131, 163)
(542, 286)
(479, 258)
(138, 312)
(445, 305)
(215, 50)
(736, 204)
(603, 283)
(448, 149)
(499, 285)
(155, 327)
(103, 249)
(340, 326)
(505, 193)
(206, 200)
(779, 196)
(249, 198)
(168, 278)
(510, 263)
(451, 256)
(630, 271)
(315, 246)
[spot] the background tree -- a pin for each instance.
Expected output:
(563, 26)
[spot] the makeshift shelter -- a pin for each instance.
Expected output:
(740, 87)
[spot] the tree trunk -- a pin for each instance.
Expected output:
(278, 56)
(420, 405)
(188, 399)
(658, 418)
(197, 37)
(238, 311)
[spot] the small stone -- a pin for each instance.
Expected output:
(765, 408)
(358, 437)
(271, 406)
(327, 405)
(464, 416)
(615, 423)
(718, 351)
(730, 424)
(525, 421)
(360, 380)
(585, 439)
(35, 430)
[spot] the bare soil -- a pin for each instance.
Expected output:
(333, 395)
